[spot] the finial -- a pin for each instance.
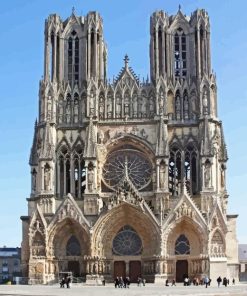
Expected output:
(179, 7)
(126, 61)
(73, 10)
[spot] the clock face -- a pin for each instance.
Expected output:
(127, 162)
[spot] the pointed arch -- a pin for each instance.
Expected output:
(73, 247)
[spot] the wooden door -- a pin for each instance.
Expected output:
(74, 266)
(134, 270)
(181, 270)
(119, 269)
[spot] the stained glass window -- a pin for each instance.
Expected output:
(182, 245)
(127, 242)
(127, 162)
(73, 247)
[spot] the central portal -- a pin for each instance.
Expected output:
(181, 270)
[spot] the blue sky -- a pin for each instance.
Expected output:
(126, 30)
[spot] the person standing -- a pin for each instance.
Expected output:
(219, 280)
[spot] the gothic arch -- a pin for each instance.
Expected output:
(62, 231)
(107, 227)
(194, 232)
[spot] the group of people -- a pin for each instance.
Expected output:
(225, 281)
(121, 282)
(65, 281)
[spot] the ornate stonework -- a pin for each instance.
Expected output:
(128, 177)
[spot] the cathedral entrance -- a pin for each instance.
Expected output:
(74, 267)
(134, 270)
(119, 269)
(181, 270)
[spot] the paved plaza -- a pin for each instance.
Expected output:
(109, 290)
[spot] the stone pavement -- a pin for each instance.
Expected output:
(109, 290)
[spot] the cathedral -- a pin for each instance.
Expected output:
(128, 176)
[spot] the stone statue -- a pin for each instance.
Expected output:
(135, 106)
(205, 103)
(34, 175)
(76, 111)
(207, 174)
(118, 106)
(144, 106)
(151, 107)
(47, 177)
(91, 104)
(186, 107)
(222, 177)
(162, 175)
(60, 112)
(68, 112)
(177, 107)
(90, 179)
(49, 108)
(161, 103)
(109, 107)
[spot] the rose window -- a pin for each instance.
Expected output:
(127, 242)
(127, 163)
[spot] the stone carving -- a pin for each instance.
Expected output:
(162, 175)
(76, 111)
(184, 210)
(49, 108)
(205, 103)
(186, 107)
(90, 179)
(47, 177)
(178, 107)
(60, 111)
(207, 174)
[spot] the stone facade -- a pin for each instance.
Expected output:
(128, 176)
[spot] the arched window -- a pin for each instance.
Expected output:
(175, 169)
(190, 169)
(73, 58)
(180, 63)
(73, 247)
(127, 242)
(182, 245)
(71, 172)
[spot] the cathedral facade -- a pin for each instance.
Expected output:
(128, 176)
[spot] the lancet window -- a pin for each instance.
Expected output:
(71, 172)
(73, 58)
(180, 63)
(183, 168)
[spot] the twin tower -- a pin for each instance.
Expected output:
(179, 47)
(128, 176)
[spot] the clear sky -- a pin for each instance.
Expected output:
(126, 30)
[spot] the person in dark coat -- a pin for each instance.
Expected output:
(219, 280)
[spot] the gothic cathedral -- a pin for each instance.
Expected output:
(128, 176)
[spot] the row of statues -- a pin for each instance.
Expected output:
(74, 110)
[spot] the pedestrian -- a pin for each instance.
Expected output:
(206, 281)
(233, 281)
(144, 282)
(62, 283)
(116, 282)
(173, 282)
(68, 281)
(127, 282)
(219, 280)
(167, 283)
(225, 281)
